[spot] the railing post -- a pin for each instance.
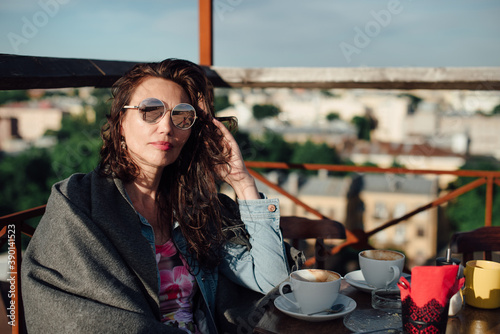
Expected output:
(489, 201)
(205, 32)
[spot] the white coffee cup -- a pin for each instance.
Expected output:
(381, 268)
(314, 289)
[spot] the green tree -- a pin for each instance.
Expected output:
(246, 145)
(396, 164)
(333, 116)
(270, 147)
(414, 102)
(328, 93)
(51, 93)
(496, 110)
(273, 147)
(221, 102)
(25, 180)
(7, 96)
(466, 212)
(312, 153)
(78, 146)
(262, 111)
(363, 125)
(102, 107)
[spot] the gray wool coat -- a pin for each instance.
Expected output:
(89, 224)
(80, 224)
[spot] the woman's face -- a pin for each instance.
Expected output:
(154, 146)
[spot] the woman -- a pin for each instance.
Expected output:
(137, 245)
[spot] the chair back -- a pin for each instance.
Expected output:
(484, 239)
(300, 228)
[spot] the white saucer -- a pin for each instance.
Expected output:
(357, 280)
(286, 307)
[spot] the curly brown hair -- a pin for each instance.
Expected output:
(188, 188)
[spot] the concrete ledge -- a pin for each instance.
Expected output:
(475, 78)
(26, 72)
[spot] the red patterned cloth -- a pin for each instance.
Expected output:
(431, 282)
(425, 303)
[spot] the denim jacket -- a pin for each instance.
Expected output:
(260, 267)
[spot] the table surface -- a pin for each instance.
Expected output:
(469, 320)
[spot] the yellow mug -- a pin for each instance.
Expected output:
(482, 284)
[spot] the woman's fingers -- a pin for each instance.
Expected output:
(236, 174)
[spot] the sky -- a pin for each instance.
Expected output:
(260, 33)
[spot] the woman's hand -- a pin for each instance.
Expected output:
(236, 173)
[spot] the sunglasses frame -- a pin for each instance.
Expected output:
(164, 112)
(230, 122)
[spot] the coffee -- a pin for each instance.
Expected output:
(382, 255)
(315, 275)
(381, 268)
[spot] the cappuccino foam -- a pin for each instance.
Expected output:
(316, 275)
(382, 255)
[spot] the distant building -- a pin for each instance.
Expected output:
(21, 126)
(458, 130)
(477, 134)
(388, 197)
(408, 155)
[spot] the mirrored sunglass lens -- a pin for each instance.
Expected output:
(152, 109)
(183, 116)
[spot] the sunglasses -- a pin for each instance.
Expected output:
(182, 115)
(230, 122)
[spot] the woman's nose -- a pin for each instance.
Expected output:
(165, 124)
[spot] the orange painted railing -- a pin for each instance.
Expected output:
(358, 238)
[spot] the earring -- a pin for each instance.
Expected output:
(123, 145)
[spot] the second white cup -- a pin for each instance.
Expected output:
(381, 268)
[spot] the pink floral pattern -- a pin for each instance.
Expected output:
(177, 288)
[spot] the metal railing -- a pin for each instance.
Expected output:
(359, 238)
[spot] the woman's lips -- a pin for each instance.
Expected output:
(162, 145)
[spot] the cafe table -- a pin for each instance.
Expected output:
(469, 320)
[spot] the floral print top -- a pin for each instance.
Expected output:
(177, 288)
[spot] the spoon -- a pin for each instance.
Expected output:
(334, 309)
